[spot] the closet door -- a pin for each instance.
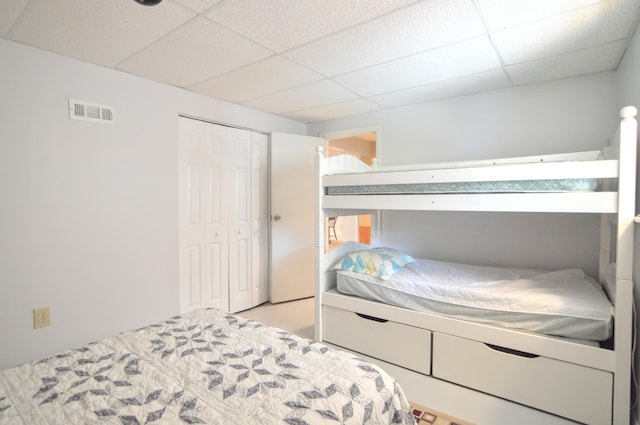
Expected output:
(238, 160)
(203, 250)
(216, 264)
(260, 217)
(223, 217)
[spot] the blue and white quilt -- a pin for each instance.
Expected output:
(204, 367)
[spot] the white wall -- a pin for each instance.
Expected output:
(89, 212)
(628, 93)
(563, 116)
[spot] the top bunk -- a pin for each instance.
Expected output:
(584, 182)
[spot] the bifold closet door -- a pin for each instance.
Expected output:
(204, 272)
(238, 182)
(221, 261)
(260, 217)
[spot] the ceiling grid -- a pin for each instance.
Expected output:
(314, 60)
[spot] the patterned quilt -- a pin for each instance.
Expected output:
(204, 367)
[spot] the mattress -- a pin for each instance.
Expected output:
(202, 367)
(564, 303)
(517, 186)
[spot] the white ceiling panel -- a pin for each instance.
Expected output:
(101, 32)
(258, 79)
(336, 110)
(501, 14)
(11, 10)
(484, 81)
(283, 24)
(588, 61)
(414, 29)
(177, 59)
(576, 30)
(321, 59)
(456, 60)
(312, 95)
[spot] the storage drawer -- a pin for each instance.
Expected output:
(402, 345)
(565, 389)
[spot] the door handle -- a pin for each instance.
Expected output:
(277, 218)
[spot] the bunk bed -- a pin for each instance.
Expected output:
(578, 374)
(205, 366)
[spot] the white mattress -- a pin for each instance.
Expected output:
(562, 303)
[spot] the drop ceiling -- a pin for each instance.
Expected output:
(314, 60)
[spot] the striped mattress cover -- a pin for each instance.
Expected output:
(517, 186)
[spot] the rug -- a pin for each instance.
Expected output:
(426, 416)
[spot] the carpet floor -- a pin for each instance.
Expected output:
(427, 416)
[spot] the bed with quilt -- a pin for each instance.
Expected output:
(203, 367)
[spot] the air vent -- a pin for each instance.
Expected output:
(88, 111)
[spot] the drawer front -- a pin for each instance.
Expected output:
(402, 345)
(565, 389)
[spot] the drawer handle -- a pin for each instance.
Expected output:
(375, 319)
(511, 351)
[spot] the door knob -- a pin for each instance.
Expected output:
(277, 217)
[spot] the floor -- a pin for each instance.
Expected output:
(296, 317)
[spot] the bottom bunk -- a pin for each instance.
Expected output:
(572, 378)
(562, 303)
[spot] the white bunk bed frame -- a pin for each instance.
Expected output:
(617, 209)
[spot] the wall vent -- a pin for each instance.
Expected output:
(89, 111)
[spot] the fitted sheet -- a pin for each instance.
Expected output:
(563, 303)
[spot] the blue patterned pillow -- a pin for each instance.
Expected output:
(378, 262)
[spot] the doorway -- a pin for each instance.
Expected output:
(362, 144)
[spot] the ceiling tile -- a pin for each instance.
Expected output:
(258, 79)
(101, 32)
(414, 29)
(583, 28)
(10, 10)
(595, 59)
(484, 81)
(283, 24)
(337, 110)
(315, 60)
(198, 51)
(501, 14)
(456, 60)
(198, 6)
(312, 95)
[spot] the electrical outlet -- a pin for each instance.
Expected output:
(41, 317)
